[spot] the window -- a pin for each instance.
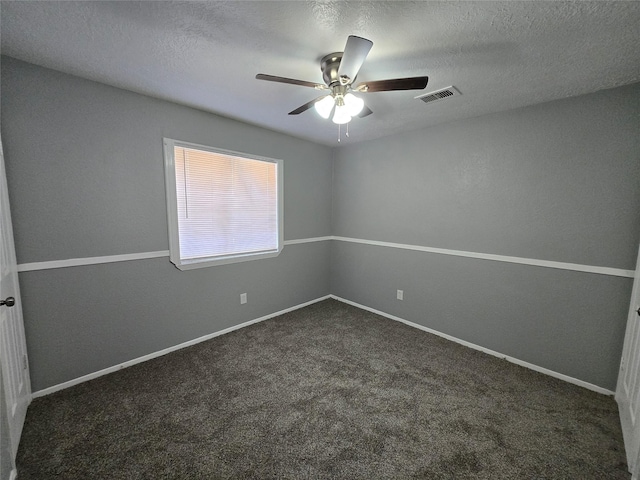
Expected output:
(222, 207)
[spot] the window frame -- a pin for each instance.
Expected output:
(169, 145)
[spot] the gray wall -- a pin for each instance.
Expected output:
(85, 170)
(558, 181)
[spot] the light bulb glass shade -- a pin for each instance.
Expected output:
(354, 104)
(341, 115)
(324, 106)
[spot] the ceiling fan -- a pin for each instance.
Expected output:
(339, 71)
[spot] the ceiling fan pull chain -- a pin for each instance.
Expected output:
(347, 134)
(338, 133)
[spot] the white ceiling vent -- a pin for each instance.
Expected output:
(439, 94)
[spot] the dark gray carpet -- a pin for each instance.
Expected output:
(328, 391)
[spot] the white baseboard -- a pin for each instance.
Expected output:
(13, 475)
(517, 361)
(144, 358)
(115, 368)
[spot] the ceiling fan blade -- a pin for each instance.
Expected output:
(355, 52)
(365, 111)
(306, 106)
(292, 81)
(413, 83)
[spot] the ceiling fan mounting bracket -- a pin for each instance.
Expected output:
(338, 92)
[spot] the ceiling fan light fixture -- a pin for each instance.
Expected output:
(324, 106)
(339, 72)
(341, 115)
(353, 104)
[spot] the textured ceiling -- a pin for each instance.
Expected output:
(500, 55)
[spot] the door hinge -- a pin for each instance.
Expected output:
(25, 363)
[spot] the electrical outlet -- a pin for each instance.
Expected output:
(243, 298)
(400, 295)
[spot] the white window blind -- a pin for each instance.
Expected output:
(226, 206)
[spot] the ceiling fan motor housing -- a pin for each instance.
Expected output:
(329, 66)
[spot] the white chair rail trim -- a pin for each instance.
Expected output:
(616, 272)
